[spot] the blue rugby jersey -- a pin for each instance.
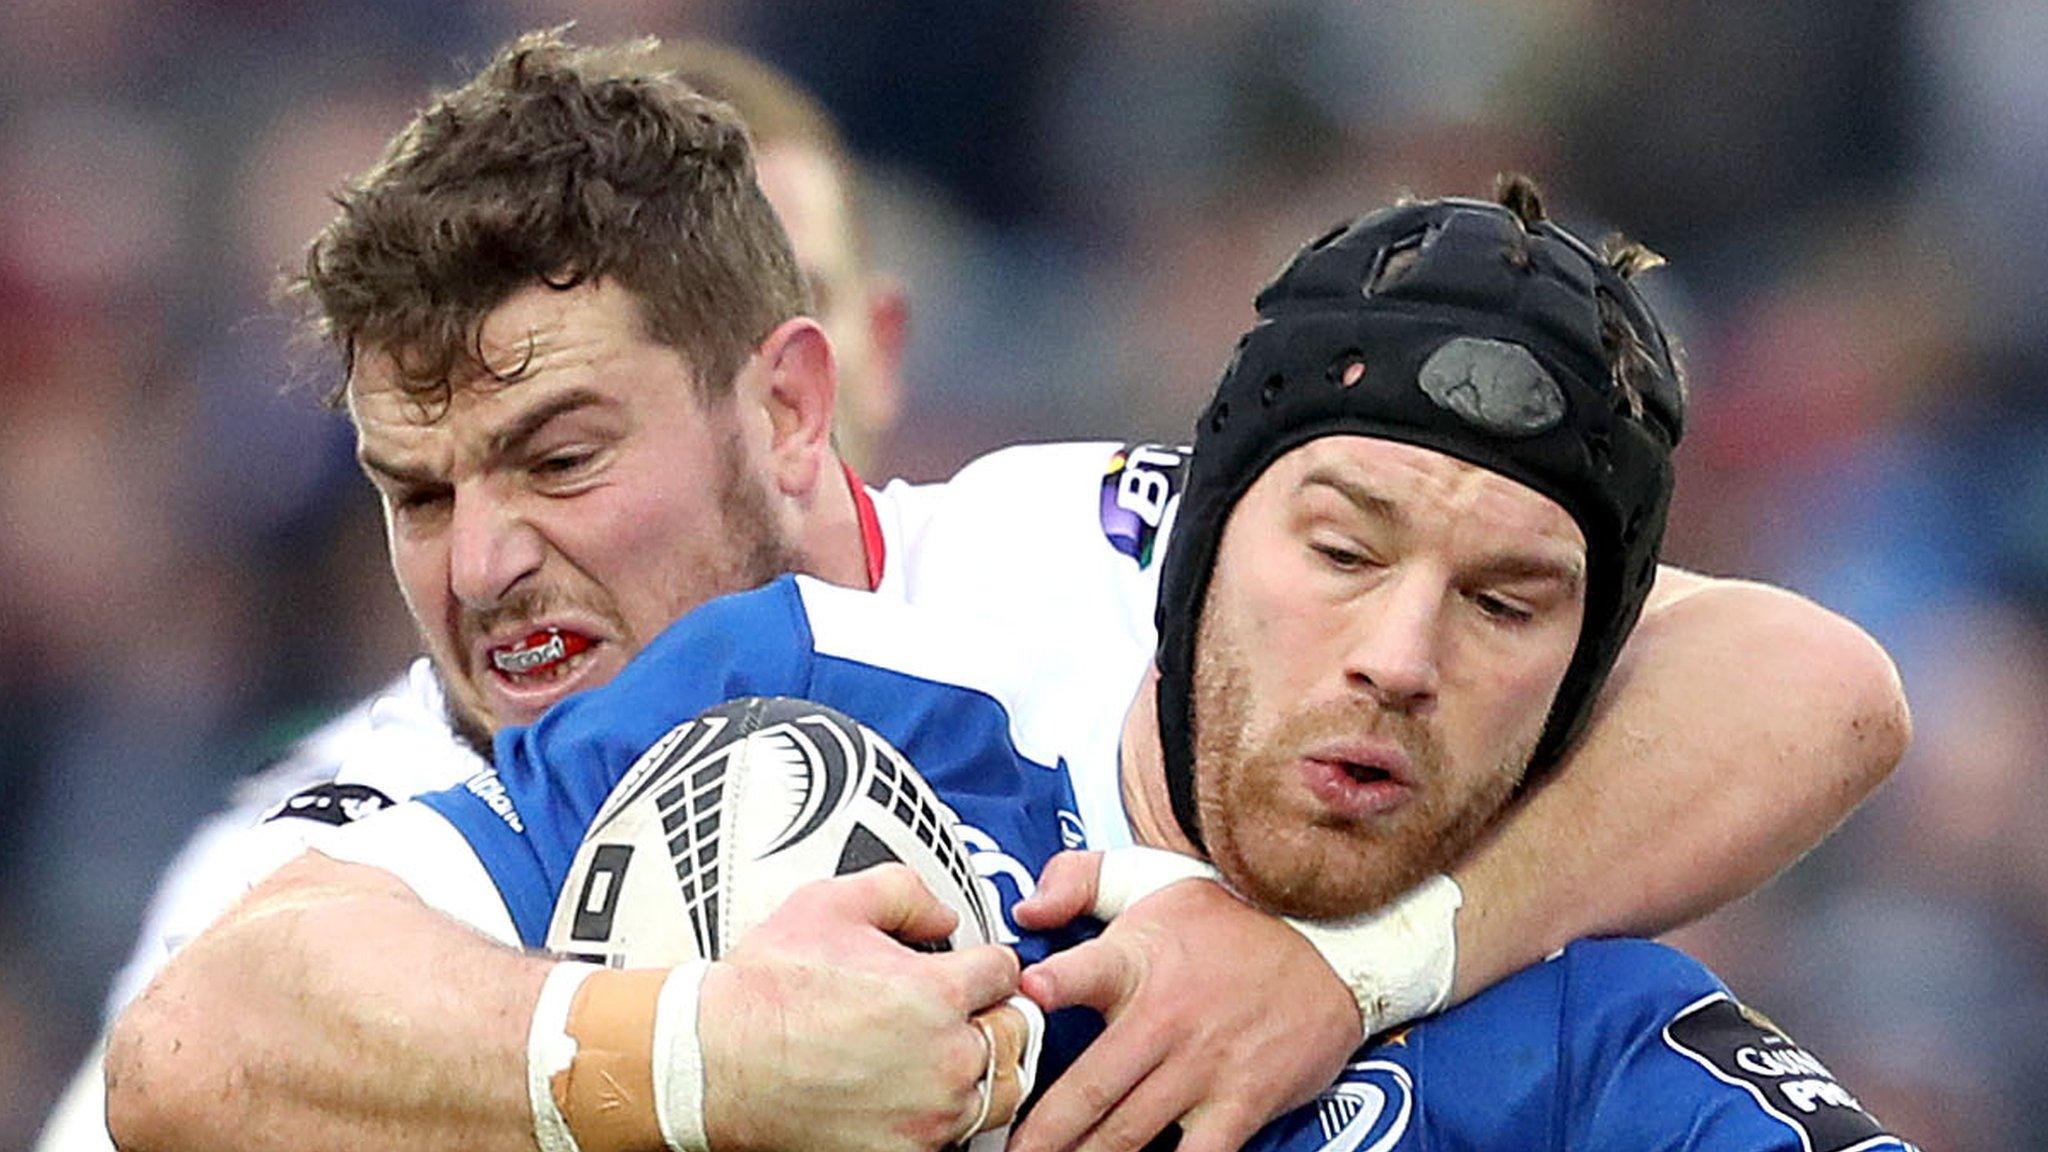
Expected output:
(1616, 1044)
(1610, 1046)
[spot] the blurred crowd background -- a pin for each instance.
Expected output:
(1081, 196)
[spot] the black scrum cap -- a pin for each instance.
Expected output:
(1461, 328)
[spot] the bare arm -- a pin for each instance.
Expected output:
(1741, 724)
(330, 1009)
(333, 1010)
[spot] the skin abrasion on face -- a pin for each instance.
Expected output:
(1375, 662)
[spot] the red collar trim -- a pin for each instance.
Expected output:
(871, 543)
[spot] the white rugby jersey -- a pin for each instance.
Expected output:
(1051, 550)
(387, 748)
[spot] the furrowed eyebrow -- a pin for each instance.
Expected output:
(1513, 569)
(511, 439)
(505, 442)
(379, 468)
(1367, 501)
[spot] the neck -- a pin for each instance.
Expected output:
(1142, 772)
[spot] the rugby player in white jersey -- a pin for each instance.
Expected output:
(623, 446)
(398, 742)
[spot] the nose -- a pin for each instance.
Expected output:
(492, 547)
(1394, 647)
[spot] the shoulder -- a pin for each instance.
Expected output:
(1048, 536)
(1651, 1039)
(878, 656)
(1115, 495)
(388, 748)
(1621, 972)
(1609, 1046)
(1089, 499)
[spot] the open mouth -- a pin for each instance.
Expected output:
(1365, 773)
(1355, 789)
(540, 657)
(1353, 771)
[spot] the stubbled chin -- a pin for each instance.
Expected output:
(1307, 872)
(467, 718)
(471, 729)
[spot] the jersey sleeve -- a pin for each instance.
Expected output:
(525, 816)
(210, 872)
(1657, 1054)
(443, 868)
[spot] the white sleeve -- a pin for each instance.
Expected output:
(79, 1121)
(227, 856)
(201, 882)
(414, 843)
(391, 747)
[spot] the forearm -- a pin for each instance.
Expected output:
(1741, 724)
(329, 1010)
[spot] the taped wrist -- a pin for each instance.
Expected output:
(1398, 962)
(1131, 873)
(614, 1063)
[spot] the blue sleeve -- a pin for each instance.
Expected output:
(482, 811)
(526, 816)
(1656, 1053)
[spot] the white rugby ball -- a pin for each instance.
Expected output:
(715, 826)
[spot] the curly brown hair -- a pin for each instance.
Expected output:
(558, 165)
(778, 111)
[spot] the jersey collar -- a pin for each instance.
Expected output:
(872, 544)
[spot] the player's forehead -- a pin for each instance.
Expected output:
(1407, 485)
(543, 352)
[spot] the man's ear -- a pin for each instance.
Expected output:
(799, 388)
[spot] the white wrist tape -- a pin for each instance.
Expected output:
(1034, 1045)
(679, 1060)
(1398, 961)
(995, 1139)
(1132, 873)
(549, 1050)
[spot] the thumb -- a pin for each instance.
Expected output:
(1098, 973)
(1066, 889)
(893, 899)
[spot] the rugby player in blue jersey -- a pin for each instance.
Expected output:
(256, 1037)
(1419, 523)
